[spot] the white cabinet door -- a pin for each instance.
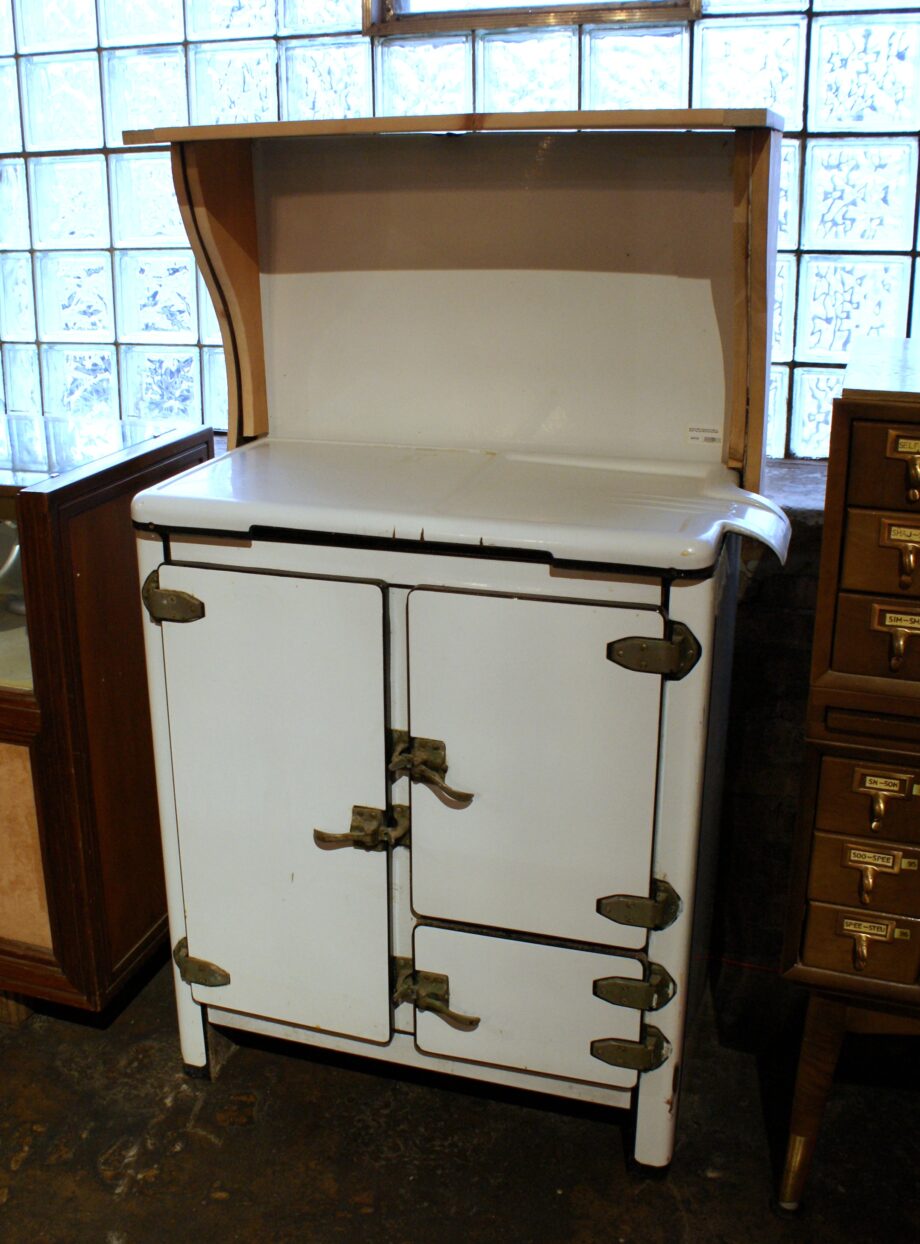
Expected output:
(276, 710)
(535, 1005)
(559, 747)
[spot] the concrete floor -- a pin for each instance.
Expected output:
(103, 1140)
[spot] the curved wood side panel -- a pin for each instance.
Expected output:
(215, 192)
(733, 449)
(756, 192)
(765, 172)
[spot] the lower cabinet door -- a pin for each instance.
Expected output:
(535, 1004)
(558, 747)
(277, 723)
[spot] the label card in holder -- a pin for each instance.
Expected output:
(902, 445)
(894, 533)
(863, 857)
(884, 618)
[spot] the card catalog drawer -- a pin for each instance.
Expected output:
(863, 798)
(854, 872)
(881, 553)
(878, 637)
(866, 944)
(885, 466)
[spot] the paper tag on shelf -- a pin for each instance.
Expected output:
(704, 433)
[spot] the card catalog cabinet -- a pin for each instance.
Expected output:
(82, 901)
(853, 930)
(431, 651)
(856, 895)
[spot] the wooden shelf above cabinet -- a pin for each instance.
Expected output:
(598, 243)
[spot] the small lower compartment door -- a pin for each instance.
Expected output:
(276, 709)
(535, 1005)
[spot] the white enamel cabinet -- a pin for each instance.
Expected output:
(430, 663)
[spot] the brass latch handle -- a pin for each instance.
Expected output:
(466, 1023)
(427, 777)
(429, 991)
(879, 807)
(908, 565)
(369, 830)
(860, 951)
(425, 762)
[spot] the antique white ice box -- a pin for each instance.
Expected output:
(432, 650)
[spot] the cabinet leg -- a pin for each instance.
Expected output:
(13, 1012)
(192, 1028)
(825, 1025)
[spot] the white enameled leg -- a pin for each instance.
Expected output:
(683, 750)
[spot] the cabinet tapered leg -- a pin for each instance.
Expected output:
(13, 1012)
(825, 1025)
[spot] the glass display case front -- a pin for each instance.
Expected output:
(15, 665)
(33, 450)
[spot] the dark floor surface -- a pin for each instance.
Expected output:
(104, 1140)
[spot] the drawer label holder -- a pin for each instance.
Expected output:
(894, 534)
(880, 786)
(899, 626)
(864, 931)
(907, 448)
(871, 862)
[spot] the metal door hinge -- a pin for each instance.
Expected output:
(643, 1055)
(168, 605)
(428, 991)
(198, 971)
(656, 912)
(369, 831)
(424, 761)
(648, 994)
(673, 657)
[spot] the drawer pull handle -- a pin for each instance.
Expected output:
(913, 477)
(897, 648)
(867, 875)
(908, 565)
(860, 952)
(879, 807)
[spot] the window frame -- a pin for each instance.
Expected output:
(380, 18)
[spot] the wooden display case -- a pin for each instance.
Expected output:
(82, 903)
(853, 927)
(432, 650)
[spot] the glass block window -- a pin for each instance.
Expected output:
(526, 70)
(101, 309)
